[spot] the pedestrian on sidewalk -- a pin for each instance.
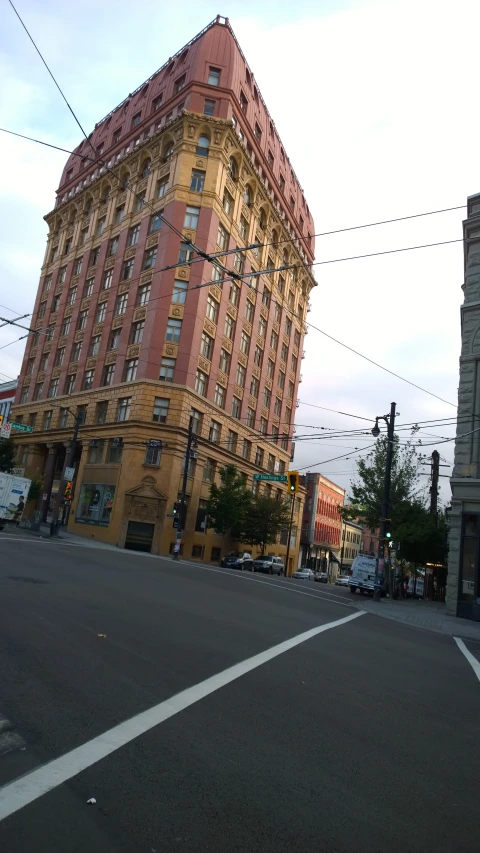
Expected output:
(176, 550)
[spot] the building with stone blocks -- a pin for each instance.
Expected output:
(137, 342)
(463, 580)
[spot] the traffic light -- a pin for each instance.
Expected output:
(68, 491)
(177, 514)
(1, 420)
(388, 528)
(293, 482)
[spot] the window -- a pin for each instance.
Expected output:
(229, 329)
(107, 280)
(136, 333)
(209, 471)
(254, 385)
(263, 426)
(232, 438)
(95, 451)
(191, 217)
(208, 107)
(47, 419)
(250, 419)
(179, 292)
(94, 346)
(101, 312)
(24, 395)
(292, 202)
(62, 419)
(214, 432)
(271, 463)
(186, 254)
(284, 352)
(55, 304)
(31, 362)
(277, 312)
(258, 356)
(224, 363)
(243, 103)
(62, 275)
(53, 390)
(228, 203)
(68, 245)
(123, 408)
(47, 283)
(243, 229)
(219, 396)
(153, 452)
(113, 246)
(282, 183)
(247, 196)
(140, 201)
(82, 320)
(201, 380)
(288, 415)
(44, 362)
(162, 187)
(240, 375)
(121, 304)
(70, 383)
(259, 457)
(294, 363)
(214, 77)
(196, 421)
(277, 409)
(266, 297)
(88, 380)
(217, 274)
(133, 233)
(239, 261)
(94, 254)
(160, 410)
(81, 414)
(167, 368)
(212, 309)
(291, 388)
(234, 293)
(174, 328)
(127, 270)
(136, 120)
(222, 238)
(236, 407)
(288, 326)
(143, 294)
(77, 265)
(72, 295)
(262, 327)
(117, 134)
(233, 169)
(130, 370)
(267, 398)
(206, 346)
(157, 102)
(156, 222)
(249, 310)
(115, 451)
(101, 411)
(65, 327)
(88, 287)
(273, 339)
(95, 504)
(76, 350)
(179, 83)
(244, 343)
(281, 380)
(119, 214)
(296, 338)
(115, 339)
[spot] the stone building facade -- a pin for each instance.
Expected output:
(136, 341)
(463, 580)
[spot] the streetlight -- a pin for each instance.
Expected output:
(380, 566)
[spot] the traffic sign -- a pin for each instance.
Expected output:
(22, 427)
(276, 478)
(69, 473)
(5, 430)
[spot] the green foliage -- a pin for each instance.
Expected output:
(228, 503)
(422, 537)
(264, 520)
(35, 488)
(7, 455)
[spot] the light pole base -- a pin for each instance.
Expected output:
(377, 594)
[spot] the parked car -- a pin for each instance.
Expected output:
(269, 564)
(321, 577)
(304, 574)
(238, 560)
(341, 580)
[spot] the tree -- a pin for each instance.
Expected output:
(367, 489)
(422, 536)
(228, 503)
(7, 455)
(264, 520)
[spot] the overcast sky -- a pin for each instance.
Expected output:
(377, 106)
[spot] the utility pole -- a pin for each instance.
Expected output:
(434, 486)
(191, 445)
(69, 463)
(289, 537)
(380, 567)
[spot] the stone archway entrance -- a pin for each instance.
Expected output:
(143, 517)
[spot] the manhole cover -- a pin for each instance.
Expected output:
(24, 579)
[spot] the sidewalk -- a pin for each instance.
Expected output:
(430, 615)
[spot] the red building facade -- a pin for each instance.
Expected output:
(322, 522)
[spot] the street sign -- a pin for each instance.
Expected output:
(276, 478)
(170, 515)
(69, 473)
(5, 430)
(22, 427)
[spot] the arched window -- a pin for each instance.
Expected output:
(263, 220)
(285, 256)
(146, 168)
(233, 169)
(247, 196)
(105, 194)
(168, 152)
(202, 146)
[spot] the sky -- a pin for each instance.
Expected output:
(377, 106)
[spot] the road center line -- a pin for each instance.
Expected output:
(28, 788)
(471, 658)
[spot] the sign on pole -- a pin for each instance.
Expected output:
(69, 473)
(276, 478)
(5, 430)
(21, 427)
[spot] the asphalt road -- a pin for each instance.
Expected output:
(361, 738)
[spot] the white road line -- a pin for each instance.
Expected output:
(471, 658)
(28, 788)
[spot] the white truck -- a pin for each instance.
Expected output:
(362, 574)
(13, 497)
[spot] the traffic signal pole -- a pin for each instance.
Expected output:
(69, 463)
(188, 451)
(380, 567)
(292, 488)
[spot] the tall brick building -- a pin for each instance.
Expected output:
(321, 527)
(135, 349)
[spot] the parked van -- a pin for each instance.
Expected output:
(362, 574)
(415, 590)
